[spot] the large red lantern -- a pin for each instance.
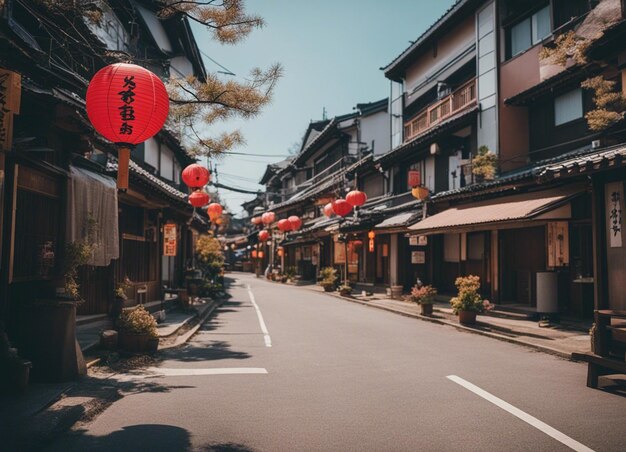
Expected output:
(268, 218)
(284, 225)
(126, 104)
(356, 198)
(196, 176)
(341, 207)
(214, 211)
(296, 222)
(328, 210)
(198, 198)
(264, 235)
(256, 221)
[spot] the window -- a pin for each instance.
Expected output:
(568, 107)
(530, 31)
(451, 248)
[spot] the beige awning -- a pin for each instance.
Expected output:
(543, 205)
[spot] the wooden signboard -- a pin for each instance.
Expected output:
(169, 239)
(558, 244)
(614, 213)
(418, 257)
(10, 97)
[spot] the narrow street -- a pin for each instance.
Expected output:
(312, 372)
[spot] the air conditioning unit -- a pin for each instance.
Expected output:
(595, 144)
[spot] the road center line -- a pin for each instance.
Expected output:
(545, 428)
(266, 334)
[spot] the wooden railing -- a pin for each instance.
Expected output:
(432, 115)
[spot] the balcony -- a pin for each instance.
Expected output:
(447, 107)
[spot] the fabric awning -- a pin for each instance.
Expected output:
(527, 206)
(92, 214)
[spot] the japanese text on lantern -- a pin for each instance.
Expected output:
(127, 111)
(169, 239)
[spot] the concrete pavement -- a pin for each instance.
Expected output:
(340, 376)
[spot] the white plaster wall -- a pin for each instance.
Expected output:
(151, 152)
(377, 128)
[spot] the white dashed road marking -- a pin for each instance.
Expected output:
(266, 334)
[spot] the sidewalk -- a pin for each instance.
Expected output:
(560, 339)
(88, 334)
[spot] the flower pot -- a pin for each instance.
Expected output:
(116, 307)
(133, 343)
(426, 308)
(345, 292)
(467, 317)
(328, 287)
(152, 345)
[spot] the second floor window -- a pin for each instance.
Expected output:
(530, 31)
(568, 107)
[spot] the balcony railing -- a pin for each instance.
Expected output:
(432, 115)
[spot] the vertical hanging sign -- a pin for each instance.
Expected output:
(10, 92)
(614, 213)
(169, 239)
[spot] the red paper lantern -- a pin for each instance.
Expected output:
(198, 198)
(414, 178)
(284, 225)
(254, 254)
(356, 198)
(280, 251)
(196, 176)
(328, 210)
(126, 103)
(341, 207)
(296, 222)
(256, 221)
(268, 217)
(264, 235)
(357, 243)
(214, 211)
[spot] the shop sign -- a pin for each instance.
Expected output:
(422, 240)
(614, 211)
(413, 240)
(10, 92)
(169, 239)
(418, 257)
(558, 244)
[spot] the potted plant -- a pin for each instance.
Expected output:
(345, 290)
(484, 165)
(468, 302)
(328, 278)
(137, 331)
(424, 296)
(120, 297)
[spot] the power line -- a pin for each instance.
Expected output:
(227, 71)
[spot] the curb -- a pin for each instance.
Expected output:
(201, 319)
(542, 348)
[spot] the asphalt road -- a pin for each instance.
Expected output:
(341, 376)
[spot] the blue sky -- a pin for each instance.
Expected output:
(331, 51)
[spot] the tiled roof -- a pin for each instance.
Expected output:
(318, 139)
(611, 157)
(150, 178)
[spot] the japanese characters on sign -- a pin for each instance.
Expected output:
(127, 110)
(614, 211)
(169, 239)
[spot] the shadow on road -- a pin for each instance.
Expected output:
(211, 351)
